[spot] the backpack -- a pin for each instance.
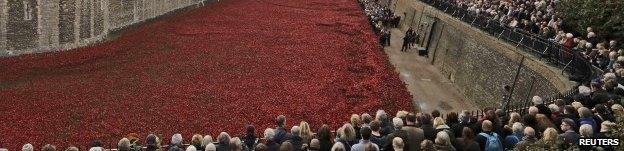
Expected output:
(492, 143)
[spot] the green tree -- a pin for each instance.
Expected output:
(606, 17)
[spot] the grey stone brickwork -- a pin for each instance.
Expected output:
(476, 62)
(29, 26)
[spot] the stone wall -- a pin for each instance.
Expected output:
(29, 26)
(476, 62)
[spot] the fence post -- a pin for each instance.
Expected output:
(513, 85)
(522, 39)
(528, 95)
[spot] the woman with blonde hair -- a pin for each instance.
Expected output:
(356, 122)
(550, 135)
(305, 132)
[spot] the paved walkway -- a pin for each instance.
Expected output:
(430, 88)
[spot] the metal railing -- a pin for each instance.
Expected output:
(577, 67)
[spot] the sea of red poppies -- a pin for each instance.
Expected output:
(207, 70)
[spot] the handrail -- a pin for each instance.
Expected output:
(556, 53)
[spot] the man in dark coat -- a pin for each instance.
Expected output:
(398, 132)
(280, 132)
(415, 134)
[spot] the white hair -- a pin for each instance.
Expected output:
(553, 107)
(223, 138)
(295, 130)
(569, 35)
(533, 110)
(191, 148)
(338, 146)
(586, 130)
(269, 134)
(236, 142)
(397, 143)
(537, 100)
(176, 139)
(529, 131)
(207, 140)
(442, 138)
(96, 149)
(591, 34)
(397, 122)
(210, 147)
(584, 90)
(124, 144)
(27, 147)
(381, 115)
(517, 127)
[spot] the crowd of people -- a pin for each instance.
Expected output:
(555, 126)
(540, 18)
(381, 19)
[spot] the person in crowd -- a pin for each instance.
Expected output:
(27, 147)
(376, 136)
(366, 133)
(286, 146)
(488, 139)
(250, 136)
(295, 140)
(356, 122)
(315, 145)
(259, 147)
(152, 143)
(386, 125)
(398, 144)
(427, 126)
(366, 119)
(280, 132)
(176, 140)
(467, 120)
(605, 130)
(236, 144)
(443, 142)
(569, 136)
(554, 111)
(269, 138)
(196, 141)
(224, 142)
(338, 147)
(324, 137)
(530, 120)
(568, 112)
(48, 147)
(191, 148)
(427, 145)
(529, 139)
(406, 41)
(543, 122)
(208, 140)
(586, 117)
(305, 132)
(467, 142)
(346, 136)
(413, 133)
(72, 148)
(210, 147)
(586, 131)
(123, 145)
(539, 103)
(550, 136)
(398, 132)
(515, 137)
(441, 126)
(452, 120)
